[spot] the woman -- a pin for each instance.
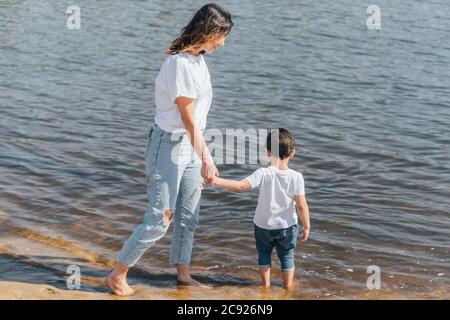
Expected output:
(183, 95)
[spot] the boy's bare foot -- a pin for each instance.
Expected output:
(192, 283)
(265, 277)
(118, 285)
(288, 280)
(288, 287)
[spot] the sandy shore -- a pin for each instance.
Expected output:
(19, 291)
(12, 290)
(25, 291)
(35, 266)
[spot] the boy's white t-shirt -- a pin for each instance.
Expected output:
(182, 75)
(276, 204)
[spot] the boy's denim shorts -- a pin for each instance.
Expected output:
(284, 240)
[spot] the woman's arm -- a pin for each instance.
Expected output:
(232, 185)
(186, 107)
(303, 214)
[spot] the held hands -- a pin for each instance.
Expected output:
(209, 171)
(304, 235)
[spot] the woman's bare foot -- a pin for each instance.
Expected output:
(192, 283)
(184, 277)
(116, 281)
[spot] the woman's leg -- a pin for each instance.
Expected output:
(185, 222)
(117, 280)
(163, 178)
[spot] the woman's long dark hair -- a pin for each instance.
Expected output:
(210, 20)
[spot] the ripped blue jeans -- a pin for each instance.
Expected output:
(173, 189)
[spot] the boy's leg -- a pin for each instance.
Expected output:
(265, 276)
(287, 265)
(288, 279)
(264, 245)
(285, 246)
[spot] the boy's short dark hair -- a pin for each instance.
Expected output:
(286, 142)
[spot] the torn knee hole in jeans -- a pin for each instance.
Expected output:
(167, 215)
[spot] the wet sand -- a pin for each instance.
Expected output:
(10, 290)
(33, 266)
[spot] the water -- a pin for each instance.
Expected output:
(369, 109)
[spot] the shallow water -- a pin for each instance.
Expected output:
(369, 109)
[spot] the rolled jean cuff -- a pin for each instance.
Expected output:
(180, 262)
(265, 266)
(287, 270)
(125, 262)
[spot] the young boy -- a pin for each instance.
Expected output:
(282, 191)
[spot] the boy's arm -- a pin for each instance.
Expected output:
(232, 185)
(303, 214)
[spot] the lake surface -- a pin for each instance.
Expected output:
(370, 110)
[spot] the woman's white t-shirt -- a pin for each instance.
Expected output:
(182, 75)
(276, 203)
